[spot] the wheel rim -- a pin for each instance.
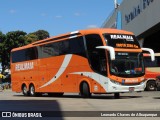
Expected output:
(25, 89)
(152, 87)
(32, 90)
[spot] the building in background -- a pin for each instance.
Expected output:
(142, 17)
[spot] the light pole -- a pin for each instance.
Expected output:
(116, 4)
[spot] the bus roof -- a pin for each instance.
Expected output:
(72, 34)
(105, 30)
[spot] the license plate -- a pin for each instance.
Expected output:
(131, 89)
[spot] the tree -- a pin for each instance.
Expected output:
(16, 39)
(31, 38)
(13, 39)
(41, 34)
(2, 39)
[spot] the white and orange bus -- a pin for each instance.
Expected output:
(152, 70)
(93, 61)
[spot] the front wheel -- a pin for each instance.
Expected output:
(151, 86)
(85, 92)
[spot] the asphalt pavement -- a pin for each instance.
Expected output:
(72, 106)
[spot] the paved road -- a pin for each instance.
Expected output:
(144, 101)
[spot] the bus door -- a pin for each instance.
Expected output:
(97, 60)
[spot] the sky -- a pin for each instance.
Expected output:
(54, 16)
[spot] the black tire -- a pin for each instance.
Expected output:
(25, 91)
(32, 90)
(151, 86)
(116, 95)
(55, 94)
(85, 92)
(158, 88)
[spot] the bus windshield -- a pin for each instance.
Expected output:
(127, 65)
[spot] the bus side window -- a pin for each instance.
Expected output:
(158, 61)
(149, 63)
(96, 56)
(25, 55)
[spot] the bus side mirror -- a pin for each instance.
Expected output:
(110, 49)
(151, 53)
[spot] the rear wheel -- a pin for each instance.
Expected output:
(32, 90)
(25, 91)
(151, 86)
(85, 92)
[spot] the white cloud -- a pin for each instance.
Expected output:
(58, 16)
(92, 26)
(12, 11)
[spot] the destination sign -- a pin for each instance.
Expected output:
(126, 45)
(127, 37)
(122, 41)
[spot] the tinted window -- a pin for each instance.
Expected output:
(149, 63)
(24, 55)
(76, 46)
(71, 46)
(96, 56)
(48, 50)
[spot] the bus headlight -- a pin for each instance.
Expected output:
(142, 82)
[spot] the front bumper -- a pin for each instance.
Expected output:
(118, 88)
